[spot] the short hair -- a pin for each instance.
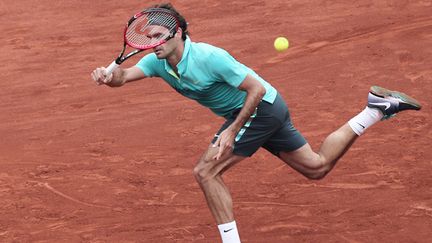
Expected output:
(182, 22)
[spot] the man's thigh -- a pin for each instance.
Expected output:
(286, 139)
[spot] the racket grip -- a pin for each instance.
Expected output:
(110, 69)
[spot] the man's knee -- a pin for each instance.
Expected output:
(318, 172)
(202, 171)
(316, 175)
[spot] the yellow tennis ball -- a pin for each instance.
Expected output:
(281, 44)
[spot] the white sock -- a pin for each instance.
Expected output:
(229, 233)
(365, 119)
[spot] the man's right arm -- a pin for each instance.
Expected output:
(119, 77)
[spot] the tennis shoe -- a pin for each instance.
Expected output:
(390, 102)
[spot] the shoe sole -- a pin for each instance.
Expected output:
(384, 93)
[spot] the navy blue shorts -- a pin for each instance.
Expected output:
(269, 127)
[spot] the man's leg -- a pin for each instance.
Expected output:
(317, 165)
(382, 103)
(208, 173)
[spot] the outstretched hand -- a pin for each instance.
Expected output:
(100, 77)
(225, 142)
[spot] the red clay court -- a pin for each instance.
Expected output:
(85, 163)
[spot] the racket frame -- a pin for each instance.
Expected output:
(120, 59)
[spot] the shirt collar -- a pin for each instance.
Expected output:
(182, 62)
(185, 51)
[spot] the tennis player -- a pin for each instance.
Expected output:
(256, 115)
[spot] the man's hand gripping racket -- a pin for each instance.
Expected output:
(145, 30)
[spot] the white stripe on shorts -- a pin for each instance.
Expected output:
(246, 125)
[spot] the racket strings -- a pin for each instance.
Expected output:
(150, 29)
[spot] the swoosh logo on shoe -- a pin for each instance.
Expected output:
(386, 104)
(226, 231)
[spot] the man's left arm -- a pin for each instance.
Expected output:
(255, 92)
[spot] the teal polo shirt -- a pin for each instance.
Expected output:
(207, 74)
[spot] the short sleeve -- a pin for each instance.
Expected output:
(148, 65)
(226, 68)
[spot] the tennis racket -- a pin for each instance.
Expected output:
(146, 30)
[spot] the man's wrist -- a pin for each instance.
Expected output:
(235, 127)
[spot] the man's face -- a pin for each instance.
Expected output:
(166, 49)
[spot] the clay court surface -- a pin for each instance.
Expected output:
(86, 163)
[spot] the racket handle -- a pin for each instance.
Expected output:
(110, 69)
